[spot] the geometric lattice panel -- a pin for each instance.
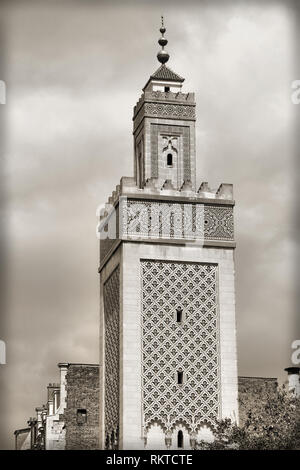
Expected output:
(190, 346)
(189, 221)
(218, 223)
(112, 340)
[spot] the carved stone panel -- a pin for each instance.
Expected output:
(112, 341)
(190, 346)
(190, 221)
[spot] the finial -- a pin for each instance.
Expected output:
(162, 56)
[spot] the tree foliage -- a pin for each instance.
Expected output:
(271, 421)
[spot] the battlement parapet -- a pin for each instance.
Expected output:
(166, 105)
(155, 188)
(159, 211)
(164, 97)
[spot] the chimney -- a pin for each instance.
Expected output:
(294, 380)
(63, 392)
(56, 395)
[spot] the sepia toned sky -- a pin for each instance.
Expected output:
(74, 71)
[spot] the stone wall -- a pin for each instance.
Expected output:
(82, 410)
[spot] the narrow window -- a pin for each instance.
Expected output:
(180, 377)
(179, 315)
(180, 439)
(169, 159)
(167, 89)
(117, 438)
(81, 416)
(140, 170)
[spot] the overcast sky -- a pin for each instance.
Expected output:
(73, 74)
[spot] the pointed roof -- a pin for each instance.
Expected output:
(165, 73)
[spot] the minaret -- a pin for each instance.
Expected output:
(164, 128)
(168, 366)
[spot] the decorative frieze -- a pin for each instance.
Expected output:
(170, 110)
(165, 110)
(187, 221)
(168, 97)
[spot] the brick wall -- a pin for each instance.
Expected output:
(252, 389)
(82, 383)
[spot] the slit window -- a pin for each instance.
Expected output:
(170, 159)
(180, 377)
(81, 416)
(180, 439)
(167, 89)
(179, 315)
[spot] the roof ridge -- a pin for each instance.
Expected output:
(165, 73)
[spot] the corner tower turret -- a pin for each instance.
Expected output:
(164, 128)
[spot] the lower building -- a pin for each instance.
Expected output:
(22, 439)
(70, 420)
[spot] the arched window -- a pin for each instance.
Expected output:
(180, 377)
(170, 159)
(140, 170)
(180, 439)
(179, 315)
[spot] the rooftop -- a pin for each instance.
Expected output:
(165, 73)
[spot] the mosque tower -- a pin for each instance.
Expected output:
(168, 363)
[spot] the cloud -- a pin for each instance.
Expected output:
(73, 77)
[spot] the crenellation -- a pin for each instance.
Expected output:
(187, 187)
(168, 186)
(163, 97)
(225, 191)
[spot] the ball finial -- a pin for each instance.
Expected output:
(162, 56)
(162, 28)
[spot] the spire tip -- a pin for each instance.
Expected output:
(162, 56)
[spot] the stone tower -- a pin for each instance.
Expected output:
(168, 365)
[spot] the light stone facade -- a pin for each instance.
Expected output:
(168, 364)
